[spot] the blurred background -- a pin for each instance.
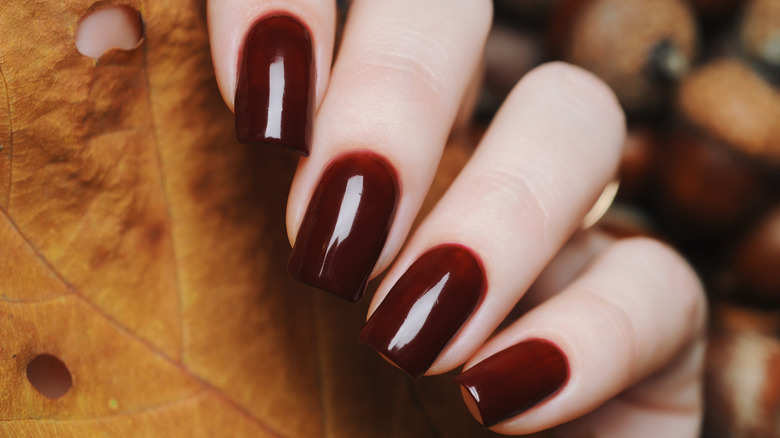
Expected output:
(698, 80)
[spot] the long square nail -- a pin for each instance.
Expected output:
(514, 380)
(426, 308)
(274, 99)
(346, 225)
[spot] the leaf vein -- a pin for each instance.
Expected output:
(115, 415)
(152, 349)
(182, 328)
(10, 140)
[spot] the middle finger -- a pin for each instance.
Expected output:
(402, 70)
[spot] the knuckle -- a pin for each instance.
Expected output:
(676, 275)
(620, 324)
(401, 69)
(577, 85)
(514, 196)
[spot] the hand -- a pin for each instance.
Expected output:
(617, 352)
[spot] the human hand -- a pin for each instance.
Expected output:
(622, 343)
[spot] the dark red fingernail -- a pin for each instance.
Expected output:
(346, 225)
(426, 307)
(275, 91)
(516, 379)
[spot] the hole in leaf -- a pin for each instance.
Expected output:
(112, 27)
(49, 376)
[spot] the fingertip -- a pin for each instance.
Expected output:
(470, 401)
(583, 92)
(575, 81)
(229, 21)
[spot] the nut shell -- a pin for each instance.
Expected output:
(705, 189)
(730, 102)
(742, 385)
(618, 40)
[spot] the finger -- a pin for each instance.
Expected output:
(550, 151)
(667, 404)
(579, 252)
(403, 68)
(272, 61)
(628, 316)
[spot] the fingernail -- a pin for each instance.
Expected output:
(426, 307)
(514, 380)
(275, 92)
(346, 225)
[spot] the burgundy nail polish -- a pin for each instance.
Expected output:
(426, 307)
(275, 92)
(346, 225)
(516, 379)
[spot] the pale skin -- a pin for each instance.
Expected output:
(628, 314)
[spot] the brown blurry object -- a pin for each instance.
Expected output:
(716, 10)
(640, 48)
(757, 261)
(704, 188)
(742, 385)
(732, 317)
(730, 102)
(638, 162)
(146, 250)
(760, 32)
(510, 53)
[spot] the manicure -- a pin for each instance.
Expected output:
(275, 92)
(516, 379)
(426, 308)
(346, 225)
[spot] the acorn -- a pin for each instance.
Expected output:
(760, 32)
(640, 48)
(734, 105)
(742, 385)
(756, 261)
(704, 188)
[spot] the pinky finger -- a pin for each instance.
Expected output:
(637, 311)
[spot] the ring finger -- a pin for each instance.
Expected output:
(402, 71)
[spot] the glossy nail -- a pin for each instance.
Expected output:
(516, 379)
(346, 225)
(426, 307)
(275, 92)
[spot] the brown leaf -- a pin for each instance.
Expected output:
(146, 249)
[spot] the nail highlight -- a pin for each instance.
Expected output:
(274, 99)
(346, 225)
(516, 379)
(426, 308)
